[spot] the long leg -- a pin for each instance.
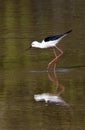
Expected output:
(56, 56)
(53, 59)
(54, 52)
(61, 52)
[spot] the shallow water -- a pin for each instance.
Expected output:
(24, 74)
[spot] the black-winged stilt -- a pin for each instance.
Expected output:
(51, 42)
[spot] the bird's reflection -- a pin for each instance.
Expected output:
(49, 97)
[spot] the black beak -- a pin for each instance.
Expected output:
(29, 48)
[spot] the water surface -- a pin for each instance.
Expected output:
(23, 73)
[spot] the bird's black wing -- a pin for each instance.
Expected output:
(52, 38)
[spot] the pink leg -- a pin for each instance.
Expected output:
(56, 57)
(54, 52)
(61, 52)
(53, 59)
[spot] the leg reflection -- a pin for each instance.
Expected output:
(53, 77)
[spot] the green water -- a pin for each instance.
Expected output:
(23, 73)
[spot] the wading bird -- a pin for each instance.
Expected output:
(51, 42)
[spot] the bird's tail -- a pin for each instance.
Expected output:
(68, 32)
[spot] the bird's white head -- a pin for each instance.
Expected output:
(35, 44)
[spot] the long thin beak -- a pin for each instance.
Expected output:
(29, 48)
